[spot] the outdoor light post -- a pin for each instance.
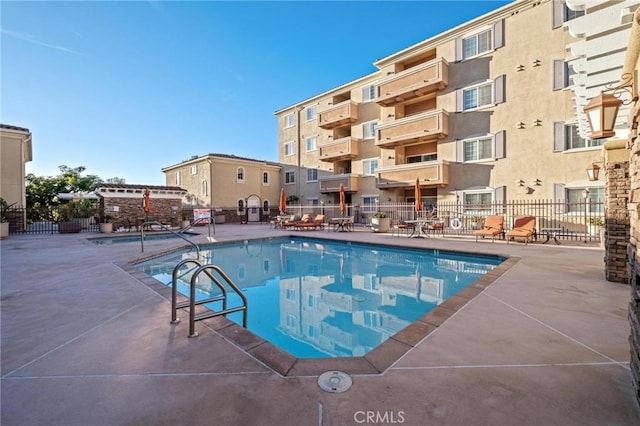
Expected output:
(585, 195)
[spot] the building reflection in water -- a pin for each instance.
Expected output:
(319, 298)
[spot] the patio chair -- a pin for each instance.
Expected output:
(493, 226)
(524, 227)
(402, 227)
(437, 226)
(318, 221)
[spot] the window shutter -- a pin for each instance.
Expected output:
(459, 151)
(459, 100)
(559, 143)
(499, 197)
(498, 34)
(558, 13)
(558, 74)
(499, 89)
(499, 141)
(559, 197)
(459, 49)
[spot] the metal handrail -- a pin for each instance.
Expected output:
(210, 221)
(192, 303)
(153, 222)
(174, 289)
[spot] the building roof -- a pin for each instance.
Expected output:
(10, 127)
(136, 186)
(219, 155)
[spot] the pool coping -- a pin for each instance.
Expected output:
(376, 361)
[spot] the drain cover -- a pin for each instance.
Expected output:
(334, 381)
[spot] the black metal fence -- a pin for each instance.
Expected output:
(567, 220)
(24, 220)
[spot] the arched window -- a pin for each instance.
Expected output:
(240, 174)
(240, 205)
(265, 178)
(205, 187)
(265, 206)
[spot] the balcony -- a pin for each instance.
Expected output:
(338, 115)
(431, 173)
(332, 183)
(423, 127)
(340, 149)
(413, 82)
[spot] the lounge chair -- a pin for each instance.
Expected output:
(524, 227)
(292, 222)
(318, 221)
(493, 226)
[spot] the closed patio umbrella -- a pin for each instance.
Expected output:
(147, 201)
(343, 204)
(418, 196)
(283, 201)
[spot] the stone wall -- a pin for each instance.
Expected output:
(632, 249)
(129, 210)
(616, 236)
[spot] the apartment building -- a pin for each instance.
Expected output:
(481, 113)
(15, 152)
(228, 183)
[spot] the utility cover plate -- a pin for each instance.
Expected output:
(334, 381)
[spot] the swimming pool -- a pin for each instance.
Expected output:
(136, 238)
(319, 298)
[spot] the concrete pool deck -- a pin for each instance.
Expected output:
(86, 343)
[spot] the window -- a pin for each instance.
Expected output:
(562, 13)
(289, 121)
(312, 113)
(290, 177)
(288, 148)
(369, 167)
(241, 272)
(563, 73)
(312, 143)
(291, 321)
(311, 331)
(422, 158)
(368, 93)
(205, 187)
(266, 266)
(571, 14)
(265, 178)
(240, 174)
(567, 136)
(265, 206)
(369, 204)
(177, 178)
(576, 200)
(312, 175)
(194, 170)
(240, 205)
(478, 202)
(478, 149)
(290, 294)
(312, 201)
(476, 44)
(476, 97)
(369, 130)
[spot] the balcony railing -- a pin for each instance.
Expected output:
(340, 149)
(431, 173)
(332, 183)
(338, 115)
(413, 82)
(426, 126)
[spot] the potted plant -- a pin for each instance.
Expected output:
(380, 222)
(4, 218)
(185, 220)
(106, 225)
(595, 225)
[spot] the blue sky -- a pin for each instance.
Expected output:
(127, 88)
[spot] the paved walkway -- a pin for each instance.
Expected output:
(86, 343)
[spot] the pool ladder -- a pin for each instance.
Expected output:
(191, 302)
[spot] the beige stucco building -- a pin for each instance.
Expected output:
(228, 183)
(482, 113)
(15, 152)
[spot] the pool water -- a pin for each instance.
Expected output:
(317, 298)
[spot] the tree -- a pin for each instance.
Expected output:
(41, 191)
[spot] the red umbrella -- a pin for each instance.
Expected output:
(283, 201)
(343, 204)
(418, 196)
(147, 201)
